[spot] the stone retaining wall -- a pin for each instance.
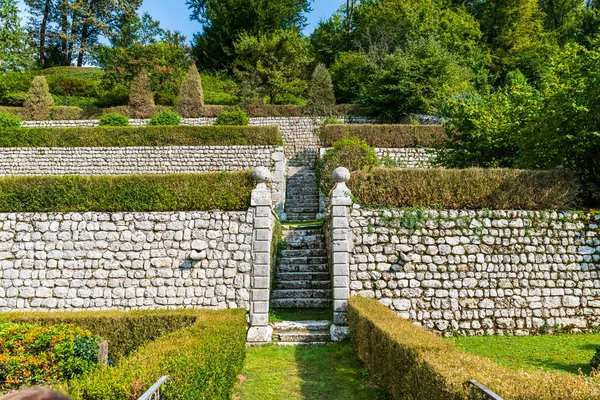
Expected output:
(484, 272)
(407, 157)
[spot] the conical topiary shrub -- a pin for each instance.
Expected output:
(39, 101)
(141, 98)
(321, 99)
(191, 97)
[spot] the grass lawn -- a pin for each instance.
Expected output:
(567, 353)
(300, 314)
(304, 372)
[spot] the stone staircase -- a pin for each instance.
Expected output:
(294, 333)
(302, 196)
(302, 277)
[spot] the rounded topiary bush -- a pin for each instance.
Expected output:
(8, 120)
(39, 102)
(113, 119)
(352, 153)
(233, 117)
(165, 118)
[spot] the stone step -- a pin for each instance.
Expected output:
(316, 325)
(304, 208)
(301, 293)
(302, 284)
(301, 228)
(312, 252)
(300, 303)
(302, 276)
(303, 268)
(317, 245)
(302, 337)
(301, 217)
(302, 260)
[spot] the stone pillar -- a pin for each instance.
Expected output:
(262, 235)
(340, 204)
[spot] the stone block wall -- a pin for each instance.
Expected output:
(407, 157)
(83, 261)
(479, 272)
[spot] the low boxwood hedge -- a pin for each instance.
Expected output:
(496, 189)
(411, 363)
(227, 191)
(127, 136)
(202, 362)
(386, 136)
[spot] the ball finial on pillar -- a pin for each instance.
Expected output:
(261, 174)
(341, 175)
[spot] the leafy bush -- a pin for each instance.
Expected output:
(191, 97)
(165, 118)
(409, 362)
(9, 121)
(113, 119)
(141, 98)
(142, 136)
(13, 99)
(202, 362)
(352, 153)
(595, 361)
(34, 355)
(39, 100)
(17, 111)
(387, 136)
(497, 189)
(118, 95)
(233, 117)
(76, 193)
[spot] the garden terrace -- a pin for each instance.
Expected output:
(386, 136)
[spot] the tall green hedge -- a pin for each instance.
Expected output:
(474, 188)
(386, 136)
(127, 136)
(411, 363)
(178, 192)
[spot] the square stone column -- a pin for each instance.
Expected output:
(340, 204)
(262, 236)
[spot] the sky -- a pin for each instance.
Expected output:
(174, 14)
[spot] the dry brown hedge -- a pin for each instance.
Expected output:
(474, 188)
(411, 363)
(387, 136)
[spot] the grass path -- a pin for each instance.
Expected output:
(304, 372)
(566, 353)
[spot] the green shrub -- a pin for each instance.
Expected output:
(9, 121)
(69, 85)
(141, 98)
(13, 99)
(191, 97)
(113, 119)
(39, 101)
(202, 362)
(165, 118)
(388, 136)
(64, 113)
(352, 153)
(409, 362)
(76, 193)
(232, 117)
(17, 111)
(332, 121)
(118, 95)
(142, 136)
(497, 189)
(595, 361)
(321, 98)
(34, 355)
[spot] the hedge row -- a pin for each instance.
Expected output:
(409, 362)
(386, 136)
(142, 193)
(56, 113)
(127, 136)
(498, 189)
(202, 362)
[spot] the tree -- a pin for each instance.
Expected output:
(131, 29)
(141, 98)
(15, 52)
(272, 65)
(352, 74)
(191, 97)
(321, 98)
(40, 16)
(224, 21)
(39, 101)
(561, 17)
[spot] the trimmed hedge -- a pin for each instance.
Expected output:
(499, 189)
(141, 193)
(141, 136)
(202, 362)
(386, 136)
(409, 362)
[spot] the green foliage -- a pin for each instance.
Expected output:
(35, 355)
(271, 65)
(16, 54)
(191, 97)
(39, 101)
(352, 74)
(233, 117)
(118, 95)
(165, 118)
(321, 98)
(72, 85)
(474, 189)
(595, 361)
(352, 153)
(113, 119)
(386, 136)
(332, 121)
(219, 88)
(9, 121)
(141, 98)
(202, 362)
(178, 192)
